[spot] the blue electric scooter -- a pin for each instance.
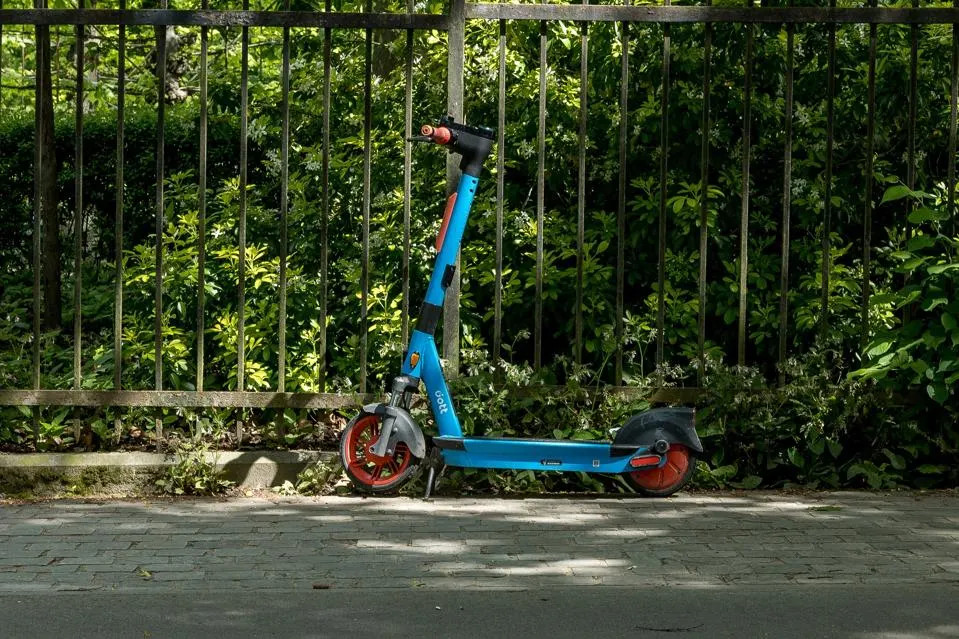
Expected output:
(381, 447)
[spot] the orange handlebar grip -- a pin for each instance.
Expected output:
(439, 135)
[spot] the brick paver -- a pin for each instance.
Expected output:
(337, 542)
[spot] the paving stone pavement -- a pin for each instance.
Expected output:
(752, 538)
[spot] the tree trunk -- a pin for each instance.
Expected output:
(52, 315)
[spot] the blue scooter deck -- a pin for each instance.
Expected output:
(533, 454)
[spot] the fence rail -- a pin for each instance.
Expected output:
(484, 11)
(206, 18)
(669, 14)
(454, 22)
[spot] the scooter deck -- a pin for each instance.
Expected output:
(452, 442)
(533, 454)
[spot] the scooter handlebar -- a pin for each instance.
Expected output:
(472, 143)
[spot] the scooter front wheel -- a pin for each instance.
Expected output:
(663, 482)
(373, 473)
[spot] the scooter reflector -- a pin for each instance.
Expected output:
(644, 461)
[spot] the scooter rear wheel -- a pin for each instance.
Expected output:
(373, 473)
(663, 482)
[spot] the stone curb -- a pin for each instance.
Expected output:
(58, 474)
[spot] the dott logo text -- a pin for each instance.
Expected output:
(441, 403)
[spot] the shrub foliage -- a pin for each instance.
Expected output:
(871, 404)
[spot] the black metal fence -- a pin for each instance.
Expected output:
(454, 22)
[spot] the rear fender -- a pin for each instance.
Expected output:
(676, 425)
(403, 429)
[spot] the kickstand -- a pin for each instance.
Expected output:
(436, 466)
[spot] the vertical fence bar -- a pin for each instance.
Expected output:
(284, 207)
(581, 189)
(1, 60)
(284, 219)
(787, 202)
(621, 205)
(201, 205)
(663, 191)
(407, 174)
(38, 160)
(911, 136)
(78, 219)
(325, 214)
(241, 230)
(827, 204)
(870, 145)
(500, 179)
(540, 197)
(455, 65)
(118, 223)
(953, 107)
(160, 223)
(911, 125)
(367, 125)
(704, 198)
(54, 35)
(23, 63)
(744, 215)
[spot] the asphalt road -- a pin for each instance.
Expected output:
(862, 612)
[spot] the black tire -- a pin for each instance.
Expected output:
(663, 482)
(367, 473)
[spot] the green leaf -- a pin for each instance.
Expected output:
(882, 298)
(897, 461)
(886, 359)
(817, 446)
(751, 481)
(868, 373)
(919, 366)
(941, 268)
(933, 302)
(931, 469)
(855, 471)
(879, 348)
(724, 473)
(796, 458)
(933, 338)
(923, 215)
(896, 192)
(913, 263)
(938, 392)
(948, 321)
(835, 448)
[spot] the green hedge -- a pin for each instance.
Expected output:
(99, 172)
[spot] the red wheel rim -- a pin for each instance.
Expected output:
(369, 469)
(677, 463)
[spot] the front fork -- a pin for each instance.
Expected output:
(403, 388)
